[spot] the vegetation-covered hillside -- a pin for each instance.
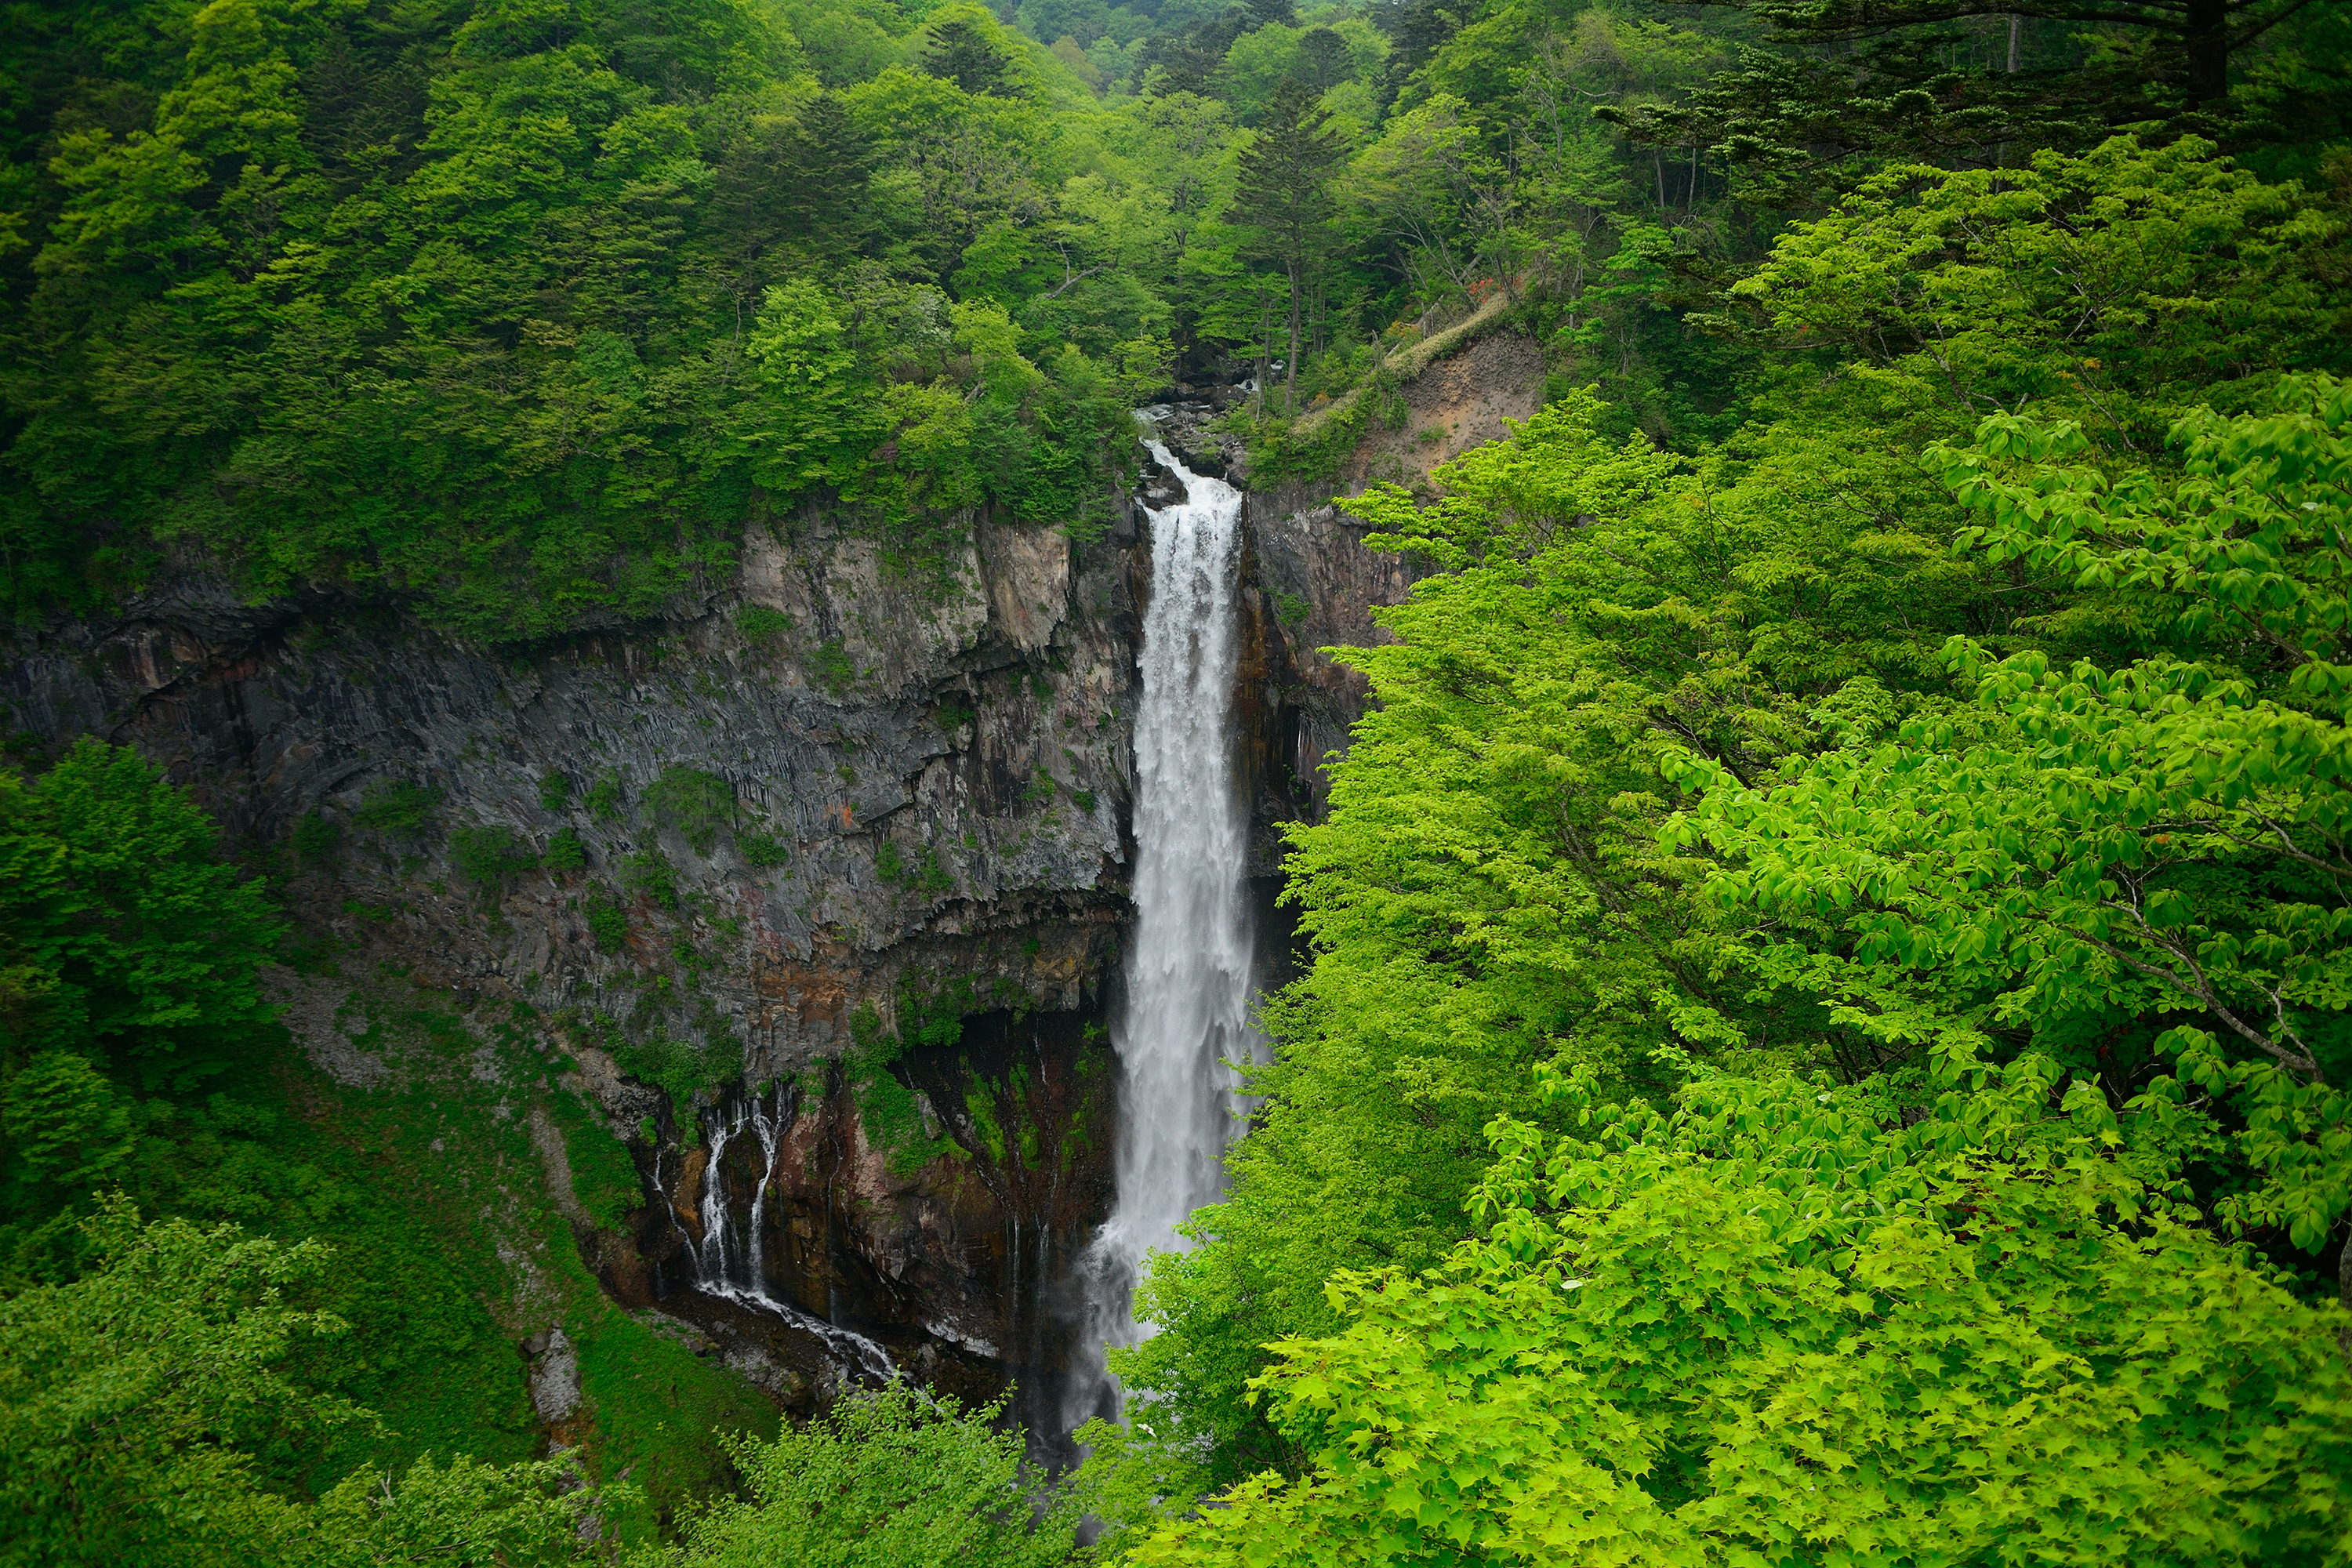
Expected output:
(1825, 1035)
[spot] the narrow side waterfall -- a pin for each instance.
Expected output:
(730, 1259)
(1188, 962)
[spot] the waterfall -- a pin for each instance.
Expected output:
(1188, 962)
(731, 1261)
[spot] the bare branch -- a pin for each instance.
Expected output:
(2240, 39)
(2198, 987)
(1073, 277)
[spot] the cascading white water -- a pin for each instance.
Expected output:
(734, 1266)
(1188, 962)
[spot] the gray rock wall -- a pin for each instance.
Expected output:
(942, 756)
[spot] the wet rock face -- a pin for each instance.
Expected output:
(946, 1239)
(938, 757)
(1312, 585)
(793, 804)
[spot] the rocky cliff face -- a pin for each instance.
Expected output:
(814, 888)
(938, 762)
(719, 848)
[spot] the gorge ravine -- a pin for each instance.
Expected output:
(949, 766)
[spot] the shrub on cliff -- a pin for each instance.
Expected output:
(696, 804)
(488, 857)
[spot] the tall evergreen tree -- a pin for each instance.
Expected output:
(793, 189)
(958, 52)
(1284, 195)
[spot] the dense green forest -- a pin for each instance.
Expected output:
(1827, 1001)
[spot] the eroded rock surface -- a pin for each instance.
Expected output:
(938, 756)
(909, 778)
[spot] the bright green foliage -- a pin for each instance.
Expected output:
(132, 1399)
(893, 1120)
(604, 796)
(192, 1118)
(923, 871)
(760, 623)
(761, 849)
(652, 877)
(524, 320)
(266, 1144)
(894, 1123)
(603, 1177)
(128, 1398)
(893, 1478)
(979, 1105)
(554, 791)
(2113, 287)
(564, 851)
(1796, 1323)
(65, 1126)
(489, 857)
(2086, 846)
(1488, 891)
(1491, 890)
(696, 804)
(452, 306)
(120, 931)
(608, 921)
(832, 667)
(521, 316)
(681, 1067)
(523, 1515)
(397, 808)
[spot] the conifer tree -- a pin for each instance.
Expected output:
(958, 52)
(1854, 82)
(2205, 32)
(1284, 195)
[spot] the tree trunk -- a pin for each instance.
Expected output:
(2014, 23)
(1180, 324)
(1290, 365)
(1264, 351)
(2206, 37)
(2344, 1292)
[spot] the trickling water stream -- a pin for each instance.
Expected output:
(731, 1261)
(1188, 962)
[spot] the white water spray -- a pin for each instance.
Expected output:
(1188, 962)
(730, 1262)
